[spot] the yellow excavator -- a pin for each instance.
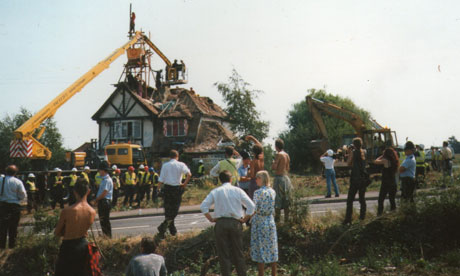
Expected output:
(25, 143)
(375, 137)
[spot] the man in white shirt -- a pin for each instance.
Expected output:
(229, 215)
(328, 160)
(12, 192)
(171, 176)
(446, 154)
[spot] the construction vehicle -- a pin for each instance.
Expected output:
(25, 143)
(125, 154)
(375, 137)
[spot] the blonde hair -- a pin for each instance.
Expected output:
(265, 178)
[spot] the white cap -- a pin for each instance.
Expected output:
(2, 175)
(201, 161)
(57, 170)
(74, 170)
(31, 175)
(422, 146)
(114, 167)
(330, 152)
(141, 167)
(86, 168)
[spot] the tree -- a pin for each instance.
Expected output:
(241, 110)
(454, 143)
(51, 139)
(302, 130)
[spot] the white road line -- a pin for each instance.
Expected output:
(131, 227)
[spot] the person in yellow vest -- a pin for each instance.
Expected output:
(228, 164)
(57, 189)
(31, 193)
(140, 184)
(420, 162)
(129, 182)
(154, 180)
(200, 171)
(85, 174)
(73, 179)
(97, 180)
(116, 185)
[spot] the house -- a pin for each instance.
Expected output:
(161, 120)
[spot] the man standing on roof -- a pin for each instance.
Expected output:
(171, 176)
(228, 164)
(132, 24)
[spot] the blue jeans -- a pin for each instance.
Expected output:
(330, 177)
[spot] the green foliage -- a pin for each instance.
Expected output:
(454, 143)
(241, 110)
(51, 139)
(45, 223)
(302, 129)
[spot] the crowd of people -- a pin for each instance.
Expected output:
(245, 196)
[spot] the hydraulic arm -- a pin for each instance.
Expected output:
(23, 136)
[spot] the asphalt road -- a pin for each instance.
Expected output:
(194, 222)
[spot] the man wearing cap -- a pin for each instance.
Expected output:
(58, 189)
(407, 173)
(31, 189)
(328, 160)
(171, 176)
(12, 192)
(104, 199)
(129, 183)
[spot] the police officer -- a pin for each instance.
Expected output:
(104, 199)
(407, 173)
(57, 190)
(129, 183)
(32, 194)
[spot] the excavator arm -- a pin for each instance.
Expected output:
(157, 51)
(317, 107)
(24, 144)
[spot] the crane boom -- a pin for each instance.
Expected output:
(26, 131)
(158, 51)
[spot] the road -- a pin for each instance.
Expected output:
(191, 222)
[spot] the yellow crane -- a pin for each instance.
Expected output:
(25, 143)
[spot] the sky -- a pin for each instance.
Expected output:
(397, 59)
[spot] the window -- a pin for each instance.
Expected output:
(122, 151)
(138, 155)
(127, 129)
(175, 127)
(110, 151)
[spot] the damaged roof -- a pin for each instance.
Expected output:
(211, 136)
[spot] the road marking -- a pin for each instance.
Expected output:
(131, 227)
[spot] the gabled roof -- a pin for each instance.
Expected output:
(144, 103)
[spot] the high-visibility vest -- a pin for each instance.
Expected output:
(98, 179)
(420, 159)
(146, 179)
(130, 178)
(73, 180)
(155, 179)
(57, 179)
(31, 186)
(230, 165)
(201, 169)
(140, 177)
(85, 176)
(116, 181)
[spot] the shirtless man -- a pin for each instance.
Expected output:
(73, 225)
(282, 183)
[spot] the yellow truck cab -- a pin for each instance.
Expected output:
(125, 154)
